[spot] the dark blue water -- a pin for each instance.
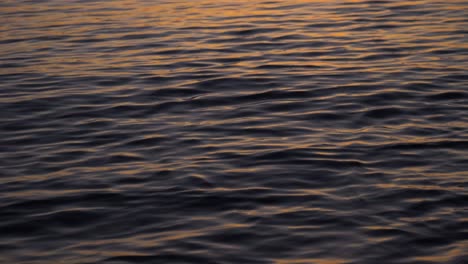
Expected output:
(284, 132)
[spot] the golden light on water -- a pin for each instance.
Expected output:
(242, 131)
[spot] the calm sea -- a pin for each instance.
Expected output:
(232, 132)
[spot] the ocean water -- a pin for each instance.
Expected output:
(258, 131)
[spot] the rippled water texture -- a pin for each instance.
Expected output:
(285, 132)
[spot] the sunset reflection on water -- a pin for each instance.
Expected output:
(233, 131)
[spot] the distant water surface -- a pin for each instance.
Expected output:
(285, 132)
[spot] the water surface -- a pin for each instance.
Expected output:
(241, 131)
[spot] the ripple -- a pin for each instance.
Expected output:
(221, 132)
